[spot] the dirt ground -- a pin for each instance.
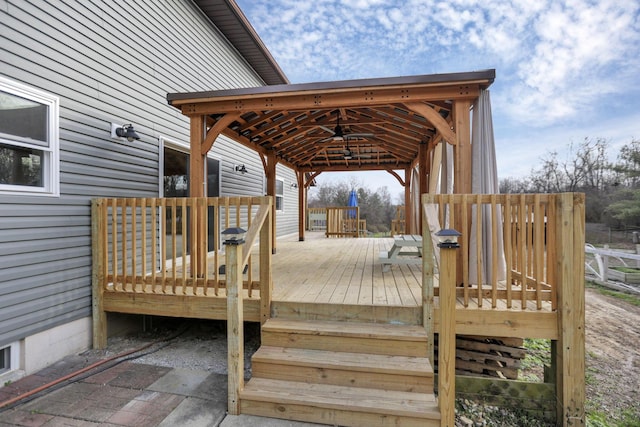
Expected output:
(612, 355)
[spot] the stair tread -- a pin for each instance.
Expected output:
(338, 328)
(420, 405)
(399, 365)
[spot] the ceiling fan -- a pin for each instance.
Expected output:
(340, 135)
(348, 154)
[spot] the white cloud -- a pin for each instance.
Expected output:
(566, 63)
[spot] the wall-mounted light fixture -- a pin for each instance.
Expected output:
(241, 168)
(124, 131)
(294, 185)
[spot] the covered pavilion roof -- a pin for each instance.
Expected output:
(383, 121)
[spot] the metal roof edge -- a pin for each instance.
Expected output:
(487, 75)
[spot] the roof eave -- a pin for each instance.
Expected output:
(483, 77)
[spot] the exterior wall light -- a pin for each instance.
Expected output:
(241, 168)
(234, 236)
(124, 131)
(448, 238)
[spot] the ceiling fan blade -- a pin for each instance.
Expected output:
(359, 135)
(327, 129)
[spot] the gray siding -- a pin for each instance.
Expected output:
(107, 61)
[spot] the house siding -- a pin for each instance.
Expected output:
(107, 61)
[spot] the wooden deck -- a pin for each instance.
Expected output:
(342, 271)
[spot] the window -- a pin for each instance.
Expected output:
(279, 194)
(28, 141)
(5, 359)
(175, 177)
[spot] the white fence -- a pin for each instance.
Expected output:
(598, 263)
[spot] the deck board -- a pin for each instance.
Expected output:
(348, 271)
(341, 271)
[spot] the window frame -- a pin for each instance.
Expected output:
(51, 153)
(276, 195)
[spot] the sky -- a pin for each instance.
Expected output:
(565, 70)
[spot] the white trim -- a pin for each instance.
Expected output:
(184, 148)
(14, 370)
(51, 154)
(276, 194)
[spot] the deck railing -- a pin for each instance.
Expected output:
(173, 245)
(316, 219)
(345, 222)
(513, 263)
(531, 257)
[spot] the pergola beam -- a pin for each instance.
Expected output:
(360, 97)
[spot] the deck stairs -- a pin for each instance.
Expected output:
(342, 373)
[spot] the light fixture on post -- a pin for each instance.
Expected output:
(448, 244)
(234, 236)
(448, 238)
(124, 131)
(241, 168)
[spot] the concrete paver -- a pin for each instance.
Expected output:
(129, 394)
(196, 412)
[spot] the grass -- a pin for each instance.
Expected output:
(601, 419)
(627, 269)
(631, 299)
(538, 356)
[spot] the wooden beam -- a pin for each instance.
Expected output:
(271, 191)
(357, 97)
(423, 175)
(302, 205)
(217, 129)
(351, 168)
(196, 159)
(408, 205)
(398, 177)
(435, 118)
(462, 149)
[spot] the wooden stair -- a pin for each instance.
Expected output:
(342, 373)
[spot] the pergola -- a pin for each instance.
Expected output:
(390, 124)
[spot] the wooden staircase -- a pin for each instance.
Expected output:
(342, 373)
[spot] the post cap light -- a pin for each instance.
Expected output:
(234, 236)
(448, 238)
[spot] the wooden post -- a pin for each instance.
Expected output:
(423, 175)
(408, 205)
(302, 205)
(197, 183)
(235, 330)
(266, 283)
(570, 352)
(271, 191)
(447, 337)
(99, 253)
(428, 320)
